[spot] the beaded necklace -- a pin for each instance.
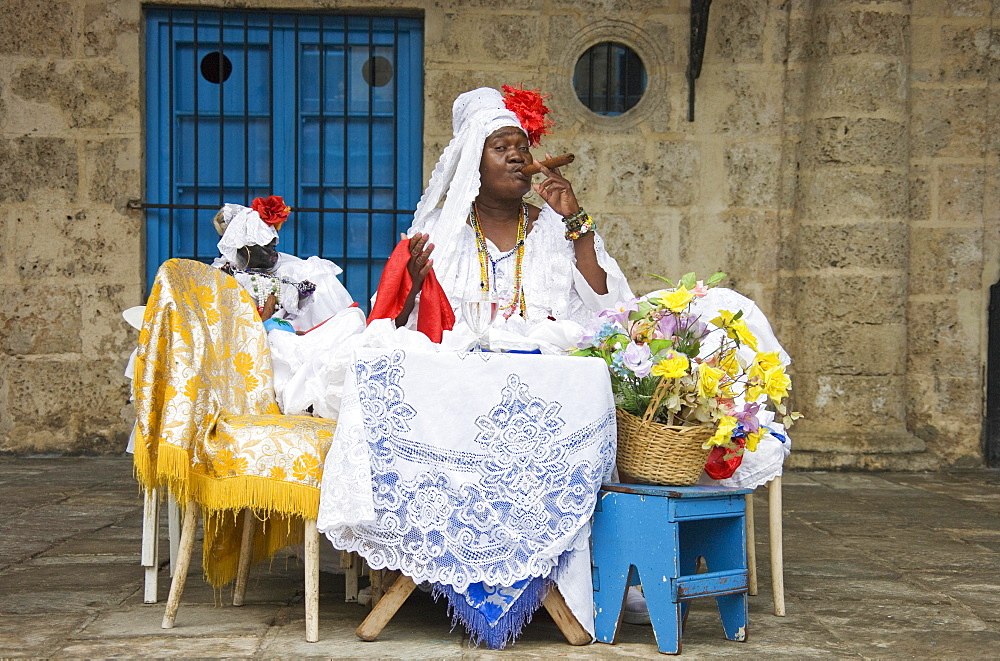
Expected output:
(272, 285)
(517, 299)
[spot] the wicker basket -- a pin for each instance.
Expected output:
(654, 453)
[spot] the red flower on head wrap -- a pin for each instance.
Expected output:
(271, 209)
(530, 108)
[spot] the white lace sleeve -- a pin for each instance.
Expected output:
(569, 292)
(618, 289)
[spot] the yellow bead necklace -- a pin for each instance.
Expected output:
(485, 260)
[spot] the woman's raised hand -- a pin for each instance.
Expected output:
(420, 262)
(557, 191)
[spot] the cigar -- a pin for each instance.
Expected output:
(554, 162)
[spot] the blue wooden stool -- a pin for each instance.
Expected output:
(658, 534)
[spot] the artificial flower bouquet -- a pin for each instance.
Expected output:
(676, 364)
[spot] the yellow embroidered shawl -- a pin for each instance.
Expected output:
(209, 428)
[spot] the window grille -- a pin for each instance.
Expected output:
(324, 110)
(610, 78)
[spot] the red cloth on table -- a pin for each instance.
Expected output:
(435, 315)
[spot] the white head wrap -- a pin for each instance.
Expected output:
(243, 228)
(475, 115)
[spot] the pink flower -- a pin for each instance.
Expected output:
(700, 289)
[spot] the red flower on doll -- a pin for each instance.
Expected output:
(529, 106)
(271, 209)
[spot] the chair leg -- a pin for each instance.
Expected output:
(775, 534)
(183, 561)
(751, 549)
(246, 551)
(372, 625)
(173, 529)
(150, 558)
(570, 627)
(312, 581)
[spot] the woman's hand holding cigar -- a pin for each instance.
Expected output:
(551, 163)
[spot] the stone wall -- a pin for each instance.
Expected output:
(840, 168)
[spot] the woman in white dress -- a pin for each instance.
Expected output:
(541, 263)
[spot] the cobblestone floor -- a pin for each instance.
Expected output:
(877, 565)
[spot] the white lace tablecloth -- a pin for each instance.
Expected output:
(460, 468)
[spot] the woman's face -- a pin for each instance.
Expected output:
(504, 154)
(260, 257)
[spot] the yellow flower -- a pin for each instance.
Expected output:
(708, 380)
(777, 384)
(724, 432)
(226, 463)
(193, 386)
(250, 383)
(306, 467)
(243, 362)
(642, 331)
(754, 438)
(735, 328)
(728, 363)
(763, 362)
(677, 300)
(205, 296)
(278, 473)
(673, 366)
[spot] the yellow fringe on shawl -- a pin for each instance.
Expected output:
(209, 428)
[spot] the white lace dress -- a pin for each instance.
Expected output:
(553, 287)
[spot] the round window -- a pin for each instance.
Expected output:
(216, 68)
(609, 78)
(377, 71)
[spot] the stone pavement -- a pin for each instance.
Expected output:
(877, 565)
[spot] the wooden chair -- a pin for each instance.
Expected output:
(775, 540)
(210, 433)
(249, 520)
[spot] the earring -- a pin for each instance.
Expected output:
(247, 248)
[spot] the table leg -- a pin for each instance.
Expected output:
(183, 561)
(246, 552)
(570, 627)
(394, 597)
(312, 580)
(733, 612)
(150, 558)
(349, 562)
(777, 554)
(173, 529)
(751, 548)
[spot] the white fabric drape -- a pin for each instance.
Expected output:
(459, 468)
(767, 461)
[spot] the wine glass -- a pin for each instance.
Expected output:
(479, 314)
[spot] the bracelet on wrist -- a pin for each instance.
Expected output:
(578, 224)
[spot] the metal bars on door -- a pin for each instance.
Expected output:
(325, 110)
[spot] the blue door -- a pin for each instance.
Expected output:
(324, 110)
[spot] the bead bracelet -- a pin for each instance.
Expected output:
(578, 224)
